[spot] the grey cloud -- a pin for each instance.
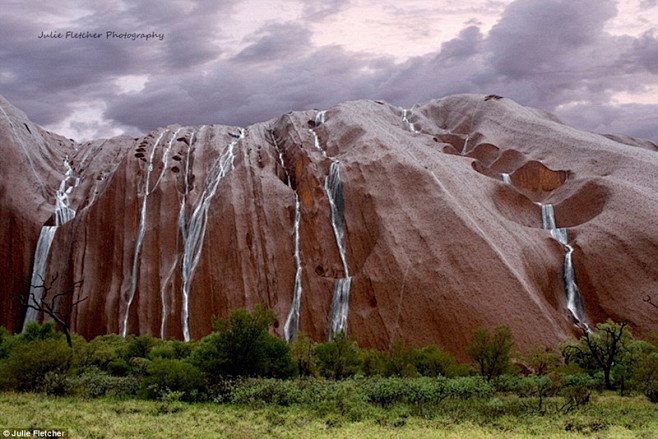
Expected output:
(464, 46)
(542, 36)
(229, 94)
(275, 43)
(645, 51)
(541, 53)
(638, 120)
(77, 70)
(318, 10)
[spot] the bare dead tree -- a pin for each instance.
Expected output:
(650, 301)
(50, 304)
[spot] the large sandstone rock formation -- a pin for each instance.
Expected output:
(420, 224)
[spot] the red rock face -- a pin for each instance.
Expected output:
(187, 223)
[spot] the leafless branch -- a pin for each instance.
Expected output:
(50, 305)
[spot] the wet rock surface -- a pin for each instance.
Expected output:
(187, 223)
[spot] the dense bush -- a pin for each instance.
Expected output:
(268, 391)
(30, 356)
(338, 358)
(646, 376)
(431, 361)
(243, 347)
(6, 340)
(28, 363)
(95, 383)
(302, 352)
(165, 375)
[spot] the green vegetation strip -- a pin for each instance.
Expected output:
(610, 416)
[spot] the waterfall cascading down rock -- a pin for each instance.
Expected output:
(319, 120)
(574, 299)
(340, 302)
(194, 230)
(405, 119)
(291, 327)
(141, 231)
(181, 220)
(63, 214)
(341, 297)
(39, 270)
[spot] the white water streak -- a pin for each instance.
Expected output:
(341, 295)
(291, 327)
(194, 231)
(574, 299)
(141, 231)
(319, 120)
(334, 188)
(63, 214)
(39, 271)
(405, 119)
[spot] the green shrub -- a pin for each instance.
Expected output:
(541, 360)
(339, 358)
(118, 367)
(373, 362)
(525, 386)
(577, 391)
(35, 331)
(164, 376)
(243, 347)
(137, 346)
(102, 351)
(6, 341)
(345, 398)
(171, 349)
(469, 387)
(302, 352)
(385, 391)
(29, 361)
(95, 383)
(646, 376)
(268, 391)
(402, 359)
(431, 361)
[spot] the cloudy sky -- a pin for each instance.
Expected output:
(594, 63)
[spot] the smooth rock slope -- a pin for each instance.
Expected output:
(420, 223)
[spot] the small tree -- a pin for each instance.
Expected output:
(242, 346)
(402, 360)
(542, 360)
(491, 352)
(432, 361)
(338, 358)
(602, 350)
(303, 354)
(50, 305)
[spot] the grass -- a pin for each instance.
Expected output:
(609, 416)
